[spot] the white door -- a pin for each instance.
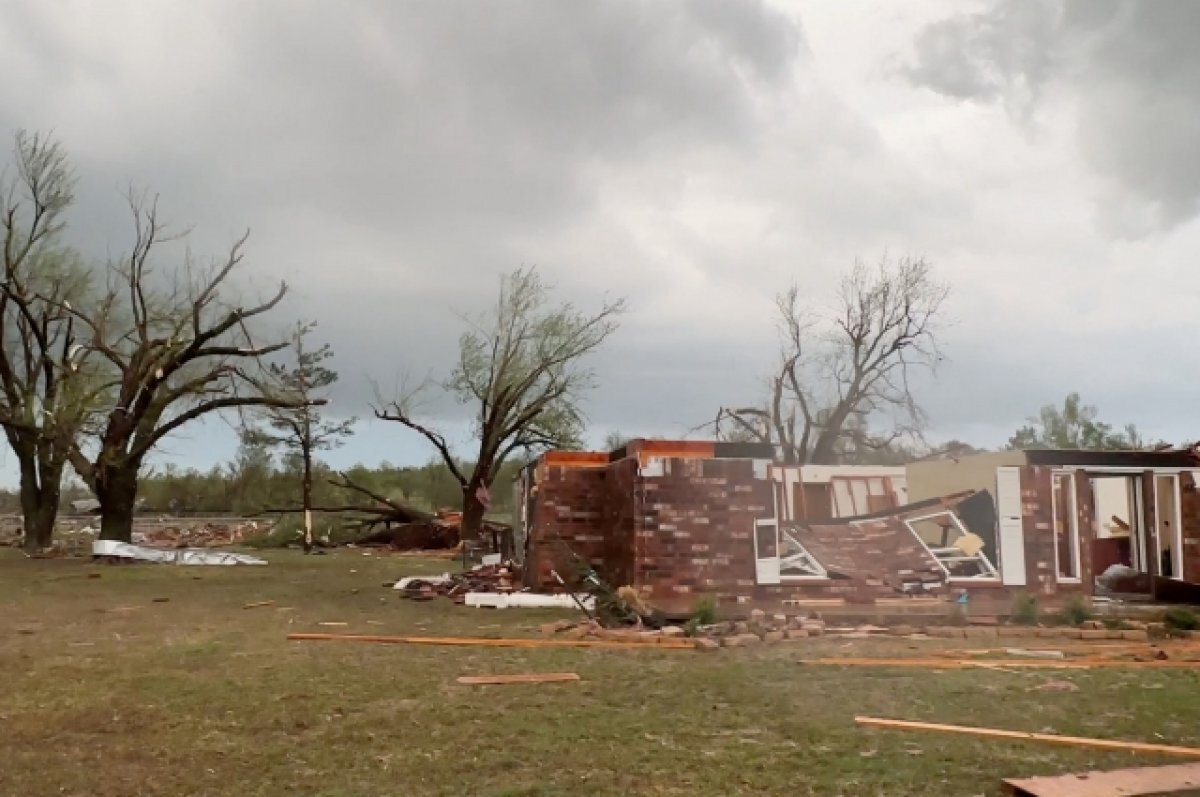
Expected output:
(766, 552)
(766, 544)
(1012, 526)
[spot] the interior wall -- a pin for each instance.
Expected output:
(935, 478)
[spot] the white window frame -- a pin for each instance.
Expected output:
(820, 574)
(1177, 527)
(1073, 531)
(991, 573)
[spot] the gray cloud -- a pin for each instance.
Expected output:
(1127, 69)
(395, 158)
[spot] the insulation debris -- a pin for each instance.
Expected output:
(116, 551)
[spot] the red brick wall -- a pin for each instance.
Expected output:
(1190, 512)
(570, 505)
(623, 507)
(694, 537)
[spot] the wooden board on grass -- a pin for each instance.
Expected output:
(520, 678)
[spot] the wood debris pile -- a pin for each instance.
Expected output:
(500, 578)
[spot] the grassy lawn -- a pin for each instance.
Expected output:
(153, 680)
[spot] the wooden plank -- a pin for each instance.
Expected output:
(1051, 738)
(1143, 781)
(520, 678)
(1031, 664)
(661, 644)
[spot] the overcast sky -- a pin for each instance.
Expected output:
(394, 158)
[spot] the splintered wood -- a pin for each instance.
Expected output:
(520, 678)
(1051, 738)
(1144, 781)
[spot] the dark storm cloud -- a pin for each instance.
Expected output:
(393, 158)
(1130, 69)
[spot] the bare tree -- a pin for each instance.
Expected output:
(839, 373)
(301, 429)
(522, 368)
(48, 391)
(178, 351)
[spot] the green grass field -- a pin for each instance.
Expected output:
(153, 680)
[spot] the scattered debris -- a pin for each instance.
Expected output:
(115, 551)
(996, 733)
(1143, 781)
(201, 535)
(499, 578)
(528, 600)
(257, 604)
(526, 678)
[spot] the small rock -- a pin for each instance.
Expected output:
(773, 636)
(703, 643)
(780, 618)
(672, 631)
(740, 627)
(757, 615)
(1161, 655)
(162, 600)
(797, 633)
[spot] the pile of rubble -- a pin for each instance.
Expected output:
(758, 629)
(491, 578)
(203, 535)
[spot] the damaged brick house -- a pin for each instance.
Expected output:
(682, 519)
(679, 520)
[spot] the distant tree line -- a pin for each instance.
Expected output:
(257, 480)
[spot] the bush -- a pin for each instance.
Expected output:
(1178, 618)
(1025, 609)
(704, 612)
(1076, 611)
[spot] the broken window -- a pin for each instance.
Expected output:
(959, 551)
(780, 556)
(795, 561)
(1066, 528)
